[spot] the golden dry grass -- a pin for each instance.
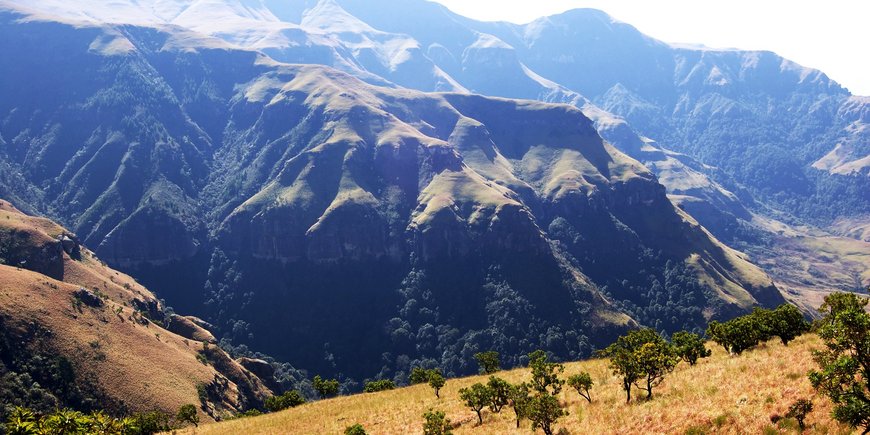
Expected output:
(130, 359)
(721, 394)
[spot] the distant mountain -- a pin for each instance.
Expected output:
(75, 333)
(349, 228)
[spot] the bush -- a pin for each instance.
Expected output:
(477, 397)
(289, 399)
(518, 399)
(737, 335)
(435, 423)
(787, 322)
(499, 390)
(799, 410)
(379, 385)
(689, 347)
(325, 387)
(845, 332)
(543, 411)
(582, 382)
(356, 429)
(488, 361)
(419, 375)
(66, 421)
(545, 374)
(745, 332)
(643, 356)
(436, 381)
(187, 414)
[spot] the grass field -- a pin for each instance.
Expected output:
(722, 394)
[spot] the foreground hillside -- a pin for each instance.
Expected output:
(75, 333)
(721, 394)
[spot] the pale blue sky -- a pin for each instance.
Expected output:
(833, 35)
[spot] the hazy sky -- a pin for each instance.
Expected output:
(833, 35)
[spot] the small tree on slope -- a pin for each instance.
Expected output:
(844, 363)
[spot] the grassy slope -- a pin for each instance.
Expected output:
(720, 395)
(131, 360)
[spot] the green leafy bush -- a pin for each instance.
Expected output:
(689, 347)
(289, 399)
(379, 385)
(355, 429)
(582, 382)
(436, 423)
(488, 361)
(476, 397)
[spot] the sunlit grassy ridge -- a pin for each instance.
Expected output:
(722, 394)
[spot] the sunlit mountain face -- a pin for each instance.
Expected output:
(358, 187)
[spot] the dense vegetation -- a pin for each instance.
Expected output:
(42, 381)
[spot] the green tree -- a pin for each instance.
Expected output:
(379, 385)
(582, 382)
(799, 410)
(325, 387)
(418, 375)
(844, 363)
(543, 411)
(147, 423)
(436, 381)
(738, 334)
(499, 393)
(689, 347)
(488, 361)
(642, 356)
(655, 359)
(289, 399)
(436, 423)
(518, 399)
(187, 413)
(787, 323)
(545, 374)
(355, 429)
(477, 397)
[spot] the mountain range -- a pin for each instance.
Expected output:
(357, 187)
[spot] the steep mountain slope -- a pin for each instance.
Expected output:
(76, 333)
(345, 227)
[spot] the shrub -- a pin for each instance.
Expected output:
(643, 356)
(582, 382)
(842, 374)
(738, 334)
(787, 322)
(419, 375)
(325, 387)
(543, 411)
(379, 385)
(149, 422)
(518, 399)
(689, 347)
(187, 414)
(435, 423)
(488, 361)
(545, 374)
(476, 397)
(355, 429)
(289, 399)
(436, 381)
(499, 390)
